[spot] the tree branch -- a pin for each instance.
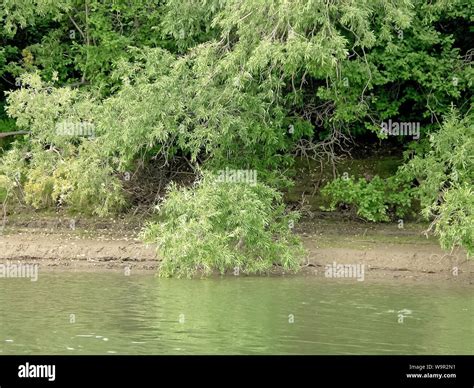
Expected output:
(77, 27)
(5, 134)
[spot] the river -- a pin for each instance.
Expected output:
(109, 313)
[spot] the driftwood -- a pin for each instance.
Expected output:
(5, 134)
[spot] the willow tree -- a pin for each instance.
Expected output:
(241, 84)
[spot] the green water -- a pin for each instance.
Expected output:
(103, 313)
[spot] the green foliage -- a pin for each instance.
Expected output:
(39, 184)
(448, 162)
(82, 40)
(58, 169)
(252, 71)
(7, 124)
(446, 180)
(233, 83)
(445, 176)
(376, 200)
(44, 179)
(12, 173)
(188, 23)
(220, 226)
(88, 185)
(454, 223)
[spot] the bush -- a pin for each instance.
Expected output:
(446, 176)
(87, 184)
(40, 183)
(12, 172)
(454, 223)
(223, 226)
(375, 201)
(44, 179)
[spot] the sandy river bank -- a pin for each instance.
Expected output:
(386, 251)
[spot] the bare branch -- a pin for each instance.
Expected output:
(333, 149)
(6, 134)
(77, 27)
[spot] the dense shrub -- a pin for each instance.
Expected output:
(444, 177)
(454, 220)
(446, 181)
(376, 200)
(224, 226)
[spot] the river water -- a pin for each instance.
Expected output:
(109, 313)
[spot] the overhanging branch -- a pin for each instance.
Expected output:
(6, 134)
